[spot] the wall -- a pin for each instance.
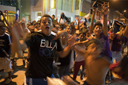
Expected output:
(86, 6)
(9, 8)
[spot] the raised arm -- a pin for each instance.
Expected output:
(105, 12)
(67, 49)
(17, 45)
(92, 19)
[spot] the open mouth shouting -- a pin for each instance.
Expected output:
(47, 28)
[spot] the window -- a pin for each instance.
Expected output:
(60, 4)
(65, 5)
(77, 5)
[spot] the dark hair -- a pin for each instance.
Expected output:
(35, 23)
(46, 15)
(124, 67)
(97, 23)
(62, 15)
(53, 15)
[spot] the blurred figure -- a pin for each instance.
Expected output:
(5, 51)
(121, 69)
(64, 67)
(31, 29)
(63, 19)
(96, 64)
(79, 60)
(72, 28)
(33, 22)
(110, 30)
(36, 27)
(117, 43)
(29, 24)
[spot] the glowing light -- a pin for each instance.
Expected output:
(52, 4)
(125, 10)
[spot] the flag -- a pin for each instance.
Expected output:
(18, 15)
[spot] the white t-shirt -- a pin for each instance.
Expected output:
(79, 57)
(62, 21)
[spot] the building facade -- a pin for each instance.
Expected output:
(37, 8)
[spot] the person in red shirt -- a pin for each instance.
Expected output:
(121, 68)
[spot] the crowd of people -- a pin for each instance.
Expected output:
(98, 48)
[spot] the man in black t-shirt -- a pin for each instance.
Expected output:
(42, 48)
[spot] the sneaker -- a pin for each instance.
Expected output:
(8, 81)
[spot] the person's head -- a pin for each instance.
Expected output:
(82, 36)
(111, 29)
(28, 25)
(83, 27)
(94, 47)
(59, 29)
(68, 29)
(33, 21)
(124, 66)
(36, 25)
(72, 24)
(2, 28)
(46, 24)
(53, 16)
(31, 28)
(97, 28)
(87, 32)
(62, 15)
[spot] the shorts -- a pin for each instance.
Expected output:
(117, 55)
(5, 64)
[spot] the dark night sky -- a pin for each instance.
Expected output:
(119, 5)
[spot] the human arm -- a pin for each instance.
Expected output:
(15, 30)
(105, 12)
(67, 49)
(17, 44)
(59, 34)
(123, 33)
(84, 42)
(92, 19)
(79, 50)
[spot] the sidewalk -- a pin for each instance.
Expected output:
(17, 75)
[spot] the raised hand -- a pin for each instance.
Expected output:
(104, 9)
(71, 41)
(18, 29)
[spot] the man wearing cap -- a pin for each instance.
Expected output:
(5, 62)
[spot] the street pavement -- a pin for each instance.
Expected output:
(18, 75)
